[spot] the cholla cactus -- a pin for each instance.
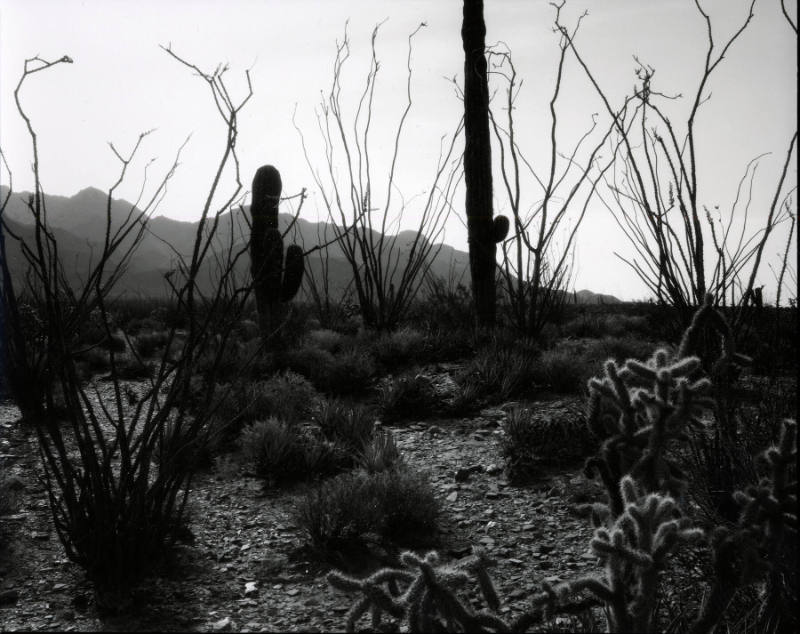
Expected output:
(764, 535)
(633, 550)
(637, 409)
(429, 602)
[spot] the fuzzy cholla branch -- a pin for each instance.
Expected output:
(637, 409)
(429, 602)
(634, 547)
(767, 525)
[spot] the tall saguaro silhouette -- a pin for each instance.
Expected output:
(483, 234)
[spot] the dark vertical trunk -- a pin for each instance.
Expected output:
(478, 163)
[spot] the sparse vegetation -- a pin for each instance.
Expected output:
(638, 458)
(343, 513)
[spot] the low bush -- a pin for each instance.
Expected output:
(324, 339)
(618, 348)
(340, 513)
(147, 343)
(95, 360)
(532, 442)
(380, 454)
(286, 396)
(351, 426)
(129, 368)
(400, 348)
(280, 453)
(563, 372)
(407, 396)
(348, 372)
(500, 371)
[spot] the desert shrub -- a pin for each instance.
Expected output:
(324, 339)
(281, 453)
(138, 325)
(226, 363)
(340, 513)
(449, 345)
(500, 371)
(532, 442)
(247, 330)
(312, 362)
(95, 360)
(147, 343)
(586, 324)
(129, 368)
(349, 425)
(563, 372)
(399, 348)
(444, 304)
(407, 396)
(348, 372)
(286, 396)
(639, 412)
(618, 348)
(467, 399)
(380, 453)
(351, 373)
(621, 325)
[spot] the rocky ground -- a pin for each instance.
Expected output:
(246, 569)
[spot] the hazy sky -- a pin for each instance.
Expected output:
(122, 83)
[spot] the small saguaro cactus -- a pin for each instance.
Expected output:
(275, 281)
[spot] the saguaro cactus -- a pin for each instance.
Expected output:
(483, 232)
(275, 281)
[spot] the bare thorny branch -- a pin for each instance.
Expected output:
(112, 473)
(659, 178)
(537, 274)
(385, 279)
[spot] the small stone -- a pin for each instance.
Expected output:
(251, 587)
(452, 497)
(293, 592)
(59, 586)
(494, 469)
(223, 625)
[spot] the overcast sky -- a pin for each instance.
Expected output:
(122, 83)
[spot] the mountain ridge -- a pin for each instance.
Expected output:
(80, 221)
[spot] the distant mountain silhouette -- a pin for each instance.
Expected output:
(79, 223)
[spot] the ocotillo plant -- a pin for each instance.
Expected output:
(275, 282)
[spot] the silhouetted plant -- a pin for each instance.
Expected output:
(409, 396)
(115, 468)
(340, 514)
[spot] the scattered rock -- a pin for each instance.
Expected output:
(250, 588)
(223, 625)
(463, 474)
